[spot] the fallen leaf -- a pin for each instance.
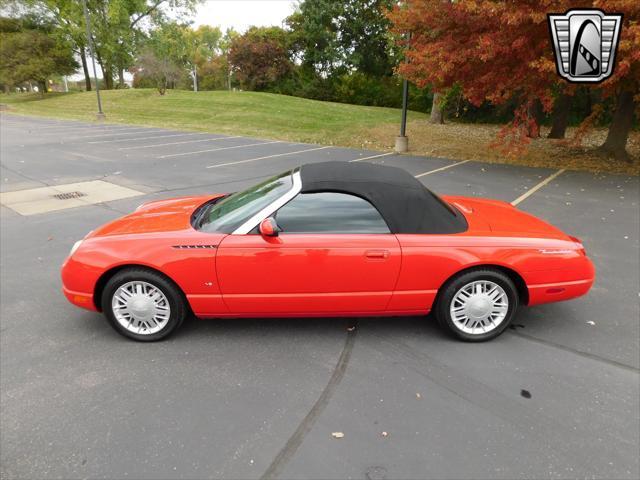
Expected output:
(49, 239)
(337, 435)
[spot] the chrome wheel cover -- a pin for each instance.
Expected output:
(479, 307)
(141, 308)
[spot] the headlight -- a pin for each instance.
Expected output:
(75, 247)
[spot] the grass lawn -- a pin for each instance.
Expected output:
(266, 115)
(262, 115)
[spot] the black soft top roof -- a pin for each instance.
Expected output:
(406, 205)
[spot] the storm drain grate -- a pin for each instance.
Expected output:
(69, 195)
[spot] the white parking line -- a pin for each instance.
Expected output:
(441, 168)
(216, 149)
(147, 138)
(372, 156)
(70, 128)
(267, 156)
(50, 127)
(527, 194)
(5, 123)
(177, 143)
(112, 134)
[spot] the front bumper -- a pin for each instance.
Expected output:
(80, 299)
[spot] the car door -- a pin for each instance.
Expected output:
(334, 254)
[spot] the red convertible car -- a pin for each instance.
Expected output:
(325, 239)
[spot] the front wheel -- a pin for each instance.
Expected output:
(143, 305)
(477, 305)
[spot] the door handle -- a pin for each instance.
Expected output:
(380, 254)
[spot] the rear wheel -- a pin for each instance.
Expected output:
(142, 304)
(477, 305)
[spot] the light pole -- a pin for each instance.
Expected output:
(100, 115)
(402, 141)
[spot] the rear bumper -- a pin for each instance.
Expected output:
(556, 285)
(557, 292)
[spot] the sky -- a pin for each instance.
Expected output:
(241, 14)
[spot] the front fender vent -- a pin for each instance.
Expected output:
(192, 247)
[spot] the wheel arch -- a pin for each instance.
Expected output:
(514, 276)
(108, 274)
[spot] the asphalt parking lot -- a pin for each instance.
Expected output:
(557, 396)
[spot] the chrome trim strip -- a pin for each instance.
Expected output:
(253, 222)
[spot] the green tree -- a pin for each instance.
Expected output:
(118, 27)
(202, 45)
(335, 37)
(30, 52)
(163, 56)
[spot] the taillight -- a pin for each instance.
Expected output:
(579, 244)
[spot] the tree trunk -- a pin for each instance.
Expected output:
(560, 116)
(121, 78)
(537, 113)
(437, 116)
(616, 141)
(107, 72)
(85, 69)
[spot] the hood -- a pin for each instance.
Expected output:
(157, 216)
(502, 218)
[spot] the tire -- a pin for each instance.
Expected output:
(148, 306)
(477, 316)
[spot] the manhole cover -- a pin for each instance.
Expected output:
(69, 195)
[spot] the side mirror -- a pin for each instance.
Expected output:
(269, 227)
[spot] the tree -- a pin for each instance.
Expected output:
(159, 70)
(201, 46)
(118, 26)
(334, 37)
(213, 74)
(625, 82)
(260, 57)
(498, 51)
(164, 55)
(29, 51)
(560, 118)
(437, 115)
(225, 46)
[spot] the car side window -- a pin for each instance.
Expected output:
(330, 212)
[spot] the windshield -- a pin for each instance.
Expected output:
(234, 210)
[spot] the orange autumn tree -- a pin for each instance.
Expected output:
(498, 51)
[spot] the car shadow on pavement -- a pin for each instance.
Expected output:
(94, 324)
